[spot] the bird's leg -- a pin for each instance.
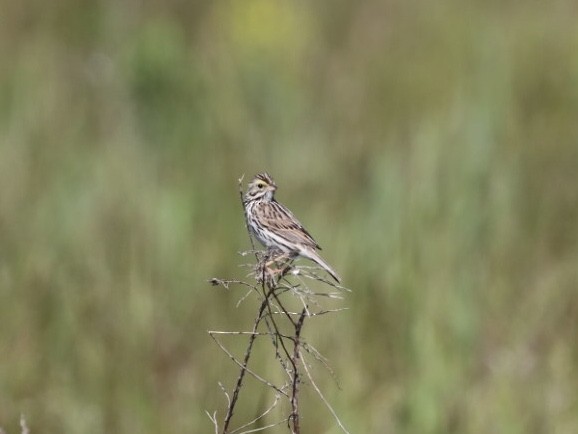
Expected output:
(283, 263)
(265, 268)
(271, 259)
(278, 257)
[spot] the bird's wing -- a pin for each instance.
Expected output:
(278, 219)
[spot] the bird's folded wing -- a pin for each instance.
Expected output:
(284, 224)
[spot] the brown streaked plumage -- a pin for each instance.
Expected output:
(275, 226)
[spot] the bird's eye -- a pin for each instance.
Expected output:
(260, 185)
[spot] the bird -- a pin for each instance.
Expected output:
(275, 226)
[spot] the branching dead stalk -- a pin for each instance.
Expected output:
(239, 384)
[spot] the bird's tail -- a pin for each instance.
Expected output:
(314, 256)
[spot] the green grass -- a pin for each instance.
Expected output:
(432, 149)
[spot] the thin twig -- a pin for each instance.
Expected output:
(223, 332)
(244, 368)
(226, 283)
(261, 416)
(274, 323)
(243, 298)
(312, 314)
(304, 364)
(323, 360)
(240, 181)
(226, 394)
(23, 426)
(263, 428)
(214, 420)
(296, 428)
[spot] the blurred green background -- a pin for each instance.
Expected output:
(430, 147)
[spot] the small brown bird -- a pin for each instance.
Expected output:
(275, 226)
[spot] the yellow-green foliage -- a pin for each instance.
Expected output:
(430, 147)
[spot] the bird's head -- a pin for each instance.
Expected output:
(261, 187)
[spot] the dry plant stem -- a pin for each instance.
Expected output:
(23, 426)
(329, 407)
(213, 418)
(246, 368)
(240, 180)
(271, 319)
(295, 428)
(261, 416)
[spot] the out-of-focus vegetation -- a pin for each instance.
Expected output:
(430, 147)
